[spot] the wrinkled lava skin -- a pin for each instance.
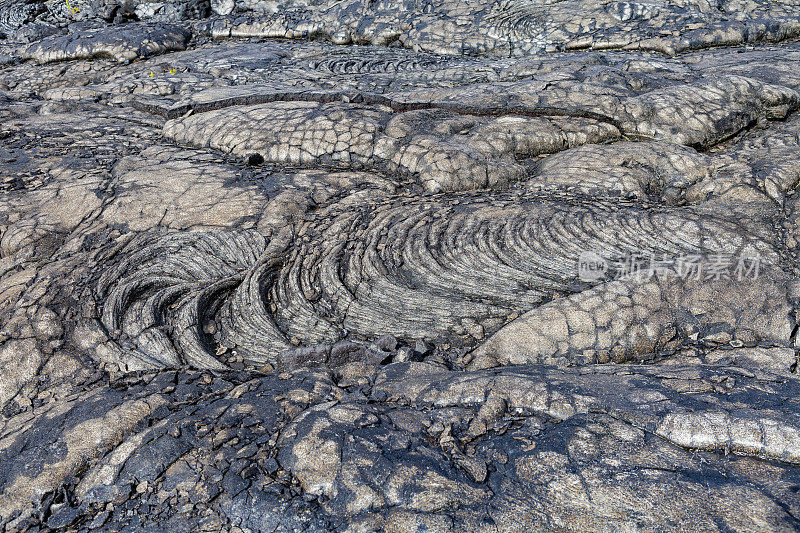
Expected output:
(313, 265)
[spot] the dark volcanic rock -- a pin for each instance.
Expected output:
(399, 266)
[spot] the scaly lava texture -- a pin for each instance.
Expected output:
(399, 265)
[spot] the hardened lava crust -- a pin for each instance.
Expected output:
(399, 265)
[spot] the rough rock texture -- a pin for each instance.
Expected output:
(123, 44)
(399, 266)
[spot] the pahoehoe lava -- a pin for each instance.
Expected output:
(399, 265)
(450, 268)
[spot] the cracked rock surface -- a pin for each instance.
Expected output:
(487, 265)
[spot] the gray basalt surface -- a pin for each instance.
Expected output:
(311, 266)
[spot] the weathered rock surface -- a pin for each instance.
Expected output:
(399, 266)
(122, 44)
